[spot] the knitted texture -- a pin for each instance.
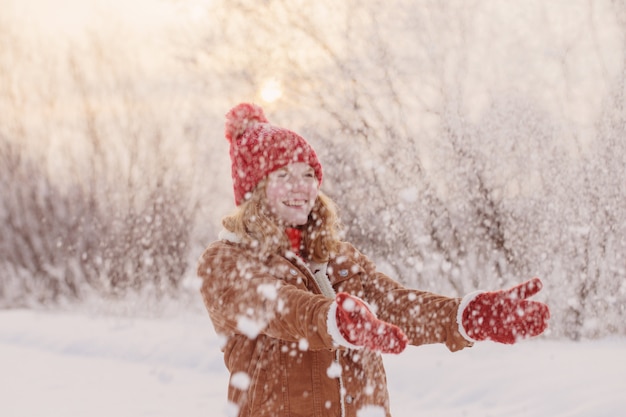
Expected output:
(505, 316)
(258, 148)
(359, 326)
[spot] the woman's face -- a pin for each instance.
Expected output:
(291, 192)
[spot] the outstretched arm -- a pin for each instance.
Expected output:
(427, 317)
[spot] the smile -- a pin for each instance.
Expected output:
(295, 203)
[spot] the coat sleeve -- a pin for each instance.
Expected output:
(245, 296)
(425, 317)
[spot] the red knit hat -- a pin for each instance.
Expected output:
(258, 148)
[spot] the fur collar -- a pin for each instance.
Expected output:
(317, 270)
(229, 236)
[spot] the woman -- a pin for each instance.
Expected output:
(305, 315)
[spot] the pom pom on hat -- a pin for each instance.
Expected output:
(242, 117)
(258, 148)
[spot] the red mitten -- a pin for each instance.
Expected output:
(359, 326)
(505, 316)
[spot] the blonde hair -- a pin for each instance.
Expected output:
(256, 227)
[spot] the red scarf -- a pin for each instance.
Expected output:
(295, 238)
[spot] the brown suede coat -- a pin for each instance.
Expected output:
(281, 357)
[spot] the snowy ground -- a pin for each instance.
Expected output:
(81, 364)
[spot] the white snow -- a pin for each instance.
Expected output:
(240, 380)
(334, 370)
(269, 291)
(371, 411)
(249, 327)
(79, 364)
(303, 345)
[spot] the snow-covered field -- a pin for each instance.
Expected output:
(83, 364)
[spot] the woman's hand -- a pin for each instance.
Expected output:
(504, 316)
(359, 327)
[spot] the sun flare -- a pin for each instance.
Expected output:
(271, 90)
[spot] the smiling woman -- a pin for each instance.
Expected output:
(291, 192)
(314, 337)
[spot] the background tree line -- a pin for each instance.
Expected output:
(467, 146)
